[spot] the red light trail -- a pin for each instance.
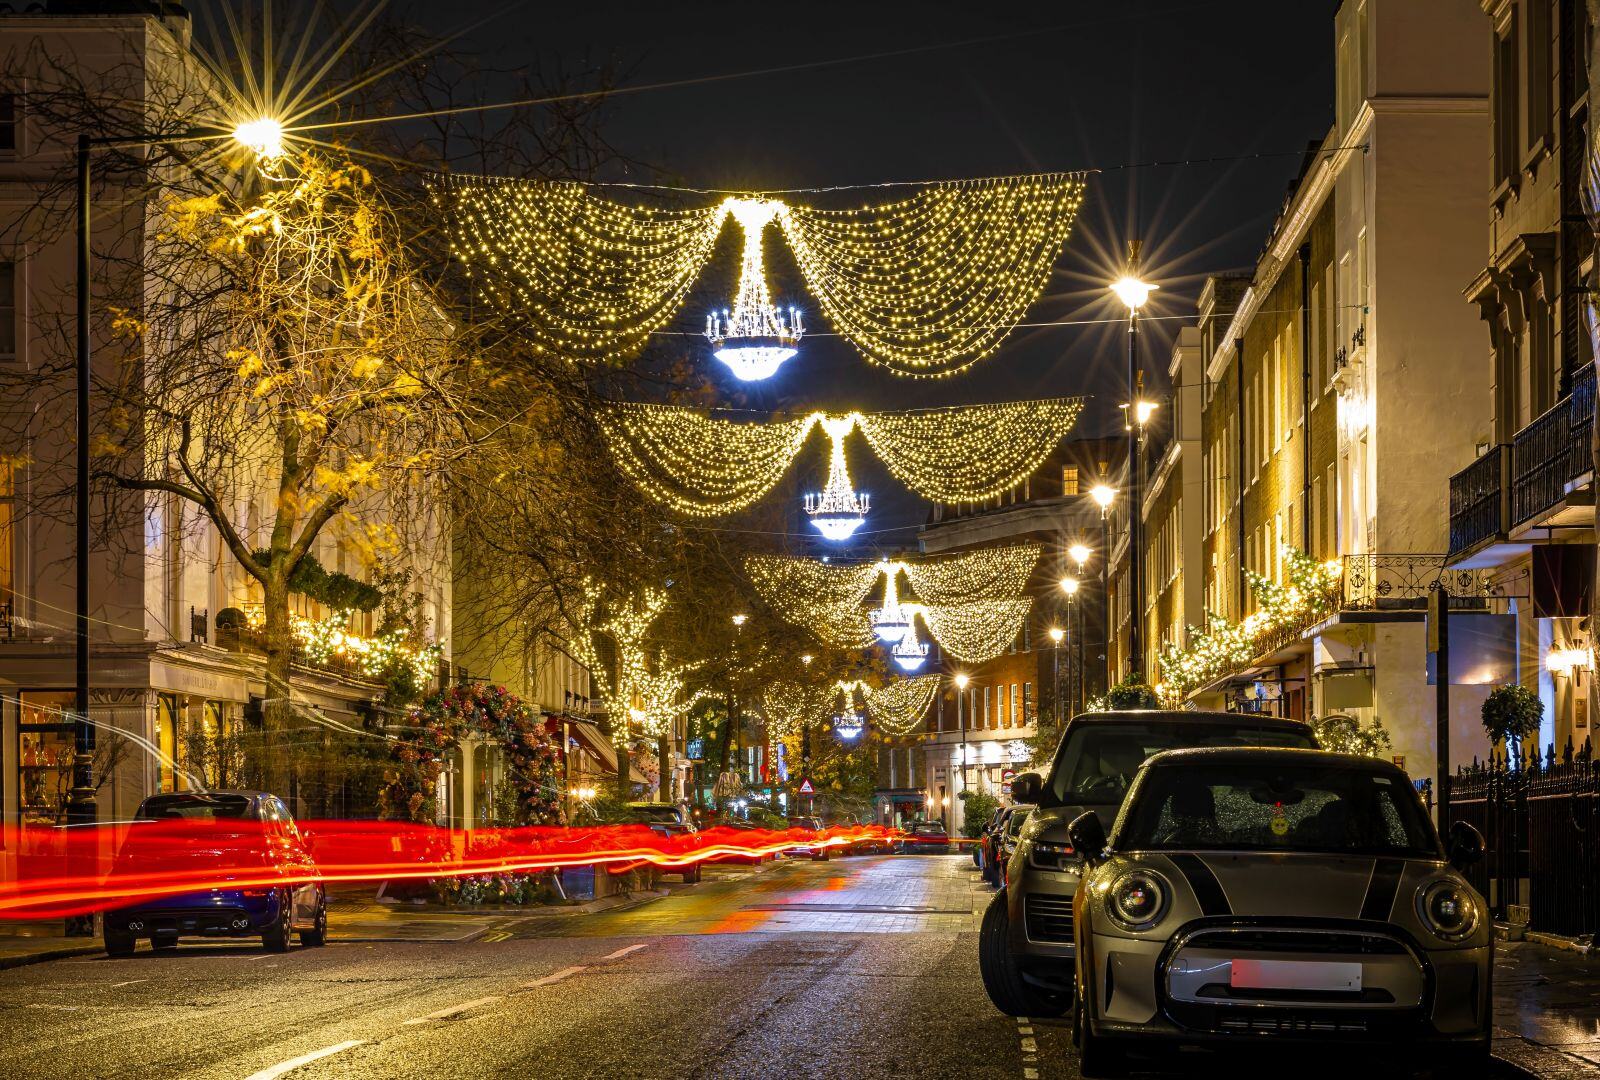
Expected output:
(58, 872)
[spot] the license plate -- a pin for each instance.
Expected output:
(1294, 975)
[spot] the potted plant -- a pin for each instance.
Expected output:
(1511, 713)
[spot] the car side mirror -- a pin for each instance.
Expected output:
(1088, 837)
(1464, 845)
(1027, 788)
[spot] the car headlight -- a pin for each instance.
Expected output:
(1449, 910)
(1137, 900)
(1048, 855)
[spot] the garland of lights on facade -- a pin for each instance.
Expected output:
(925, 286)
(973, 604)
(703, 466)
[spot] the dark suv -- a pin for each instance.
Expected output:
(1025, 948)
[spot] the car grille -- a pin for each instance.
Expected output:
(1298, 941)
(1309, 1024)
(1049, 919)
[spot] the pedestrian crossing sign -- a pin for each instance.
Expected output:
(806, 788)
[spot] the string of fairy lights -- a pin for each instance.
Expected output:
(703, 466)
(895, 708)
(924, 286)
(973, 604)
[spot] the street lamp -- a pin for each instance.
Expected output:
(1133, 293)
(1056, 634)
(1070, 585)
(1104, 495)
(961, 681)
(264, 138)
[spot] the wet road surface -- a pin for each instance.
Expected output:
(861, 967)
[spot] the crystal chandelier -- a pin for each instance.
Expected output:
(891, 622)
(756, 336)
(839, 509)
(908, 652)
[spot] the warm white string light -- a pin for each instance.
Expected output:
(839, 509)
(756, 337)
(702, 465)
(926, 285)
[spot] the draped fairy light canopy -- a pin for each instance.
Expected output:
(926, 285)
(704, 465)
(894, 708)
(973, 604)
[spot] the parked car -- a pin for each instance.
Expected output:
(668, 819)
(819, 854)
(1006, 841)
(1296, 894)
(1025, 944)
(923, 838)
(262, 830)
(988, 846)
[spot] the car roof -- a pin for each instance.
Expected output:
(1269, 755)
(209, 793)
(1212, 716)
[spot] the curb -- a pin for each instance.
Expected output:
(49, 954)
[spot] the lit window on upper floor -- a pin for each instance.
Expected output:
(1069, 480)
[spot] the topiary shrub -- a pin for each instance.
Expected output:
(977, 807)
(1511, 713)
(1131, 695)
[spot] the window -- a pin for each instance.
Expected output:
(10, 116)
(1536, 113)
(44, 756)
(1506, 106)
(986, 700)
(8, 311)
(1016, 707)
(1069, 479)
(1027, 702)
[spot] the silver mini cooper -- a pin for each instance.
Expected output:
(1254, 895)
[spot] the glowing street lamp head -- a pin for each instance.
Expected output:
(1080, 554)
(740, 619)
(962, 679)
(1069, 585)
(1057, 634)
(1132, 292)
(1142, 411)
(1103, 495)
(263, 137)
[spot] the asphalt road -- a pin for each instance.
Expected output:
(850, 968)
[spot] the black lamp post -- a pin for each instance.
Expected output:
(1133, 293)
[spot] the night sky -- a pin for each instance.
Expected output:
(1057, 86)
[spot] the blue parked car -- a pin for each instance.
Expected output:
(275, 913)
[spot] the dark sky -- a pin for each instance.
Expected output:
(1060, 86)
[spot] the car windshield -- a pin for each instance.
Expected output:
(1097, 760)
(1274, 806)
(195, 805)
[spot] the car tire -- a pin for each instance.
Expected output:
(1004, 984)
(318, 933)
(275, 938)
(118, 944)
(692, 876)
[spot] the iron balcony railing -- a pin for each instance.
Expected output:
(1377, 582)
(1478, 505)
(1553, 451)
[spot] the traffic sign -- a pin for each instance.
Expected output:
(806, 788)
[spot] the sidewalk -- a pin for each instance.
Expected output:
(1547, 1011)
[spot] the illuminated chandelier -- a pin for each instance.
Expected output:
(891, 622)
(908, 652)
(849, 725)
(838, 510)
(756, 337)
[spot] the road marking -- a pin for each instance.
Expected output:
(620, 953)
(454, 1010)
(130, 982)
(274, 1071)
(564, 973)
(1024, 1030)
(1030, 1046)
(498, 935)
(1030, 1074)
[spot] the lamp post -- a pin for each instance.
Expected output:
(961, 680)
(1103, 496)
(1133, 293)
(264, 138)
(1056, 634)
(1070, 586)
(1080, 555)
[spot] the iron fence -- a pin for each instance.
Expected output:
(1377, 582)
(1553, 451)
(1478, 500)
(1541, 828)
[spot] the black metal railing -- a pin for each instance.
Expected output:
(1541, 827)
(1478, 505)
(1375, 582)
(199, 624)
(1553, 451)
(7, 620)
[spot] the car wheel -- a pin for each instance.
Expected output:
(692, 876)
(318, 934)
(998, 967)
(275, 938)
(119, 944)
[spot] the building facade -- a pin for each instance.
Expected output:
(176, 658)
(1522, 503)
(1338, 391)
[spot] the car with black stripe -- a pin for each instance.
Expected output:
(1025, 946)
(1252, 895)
